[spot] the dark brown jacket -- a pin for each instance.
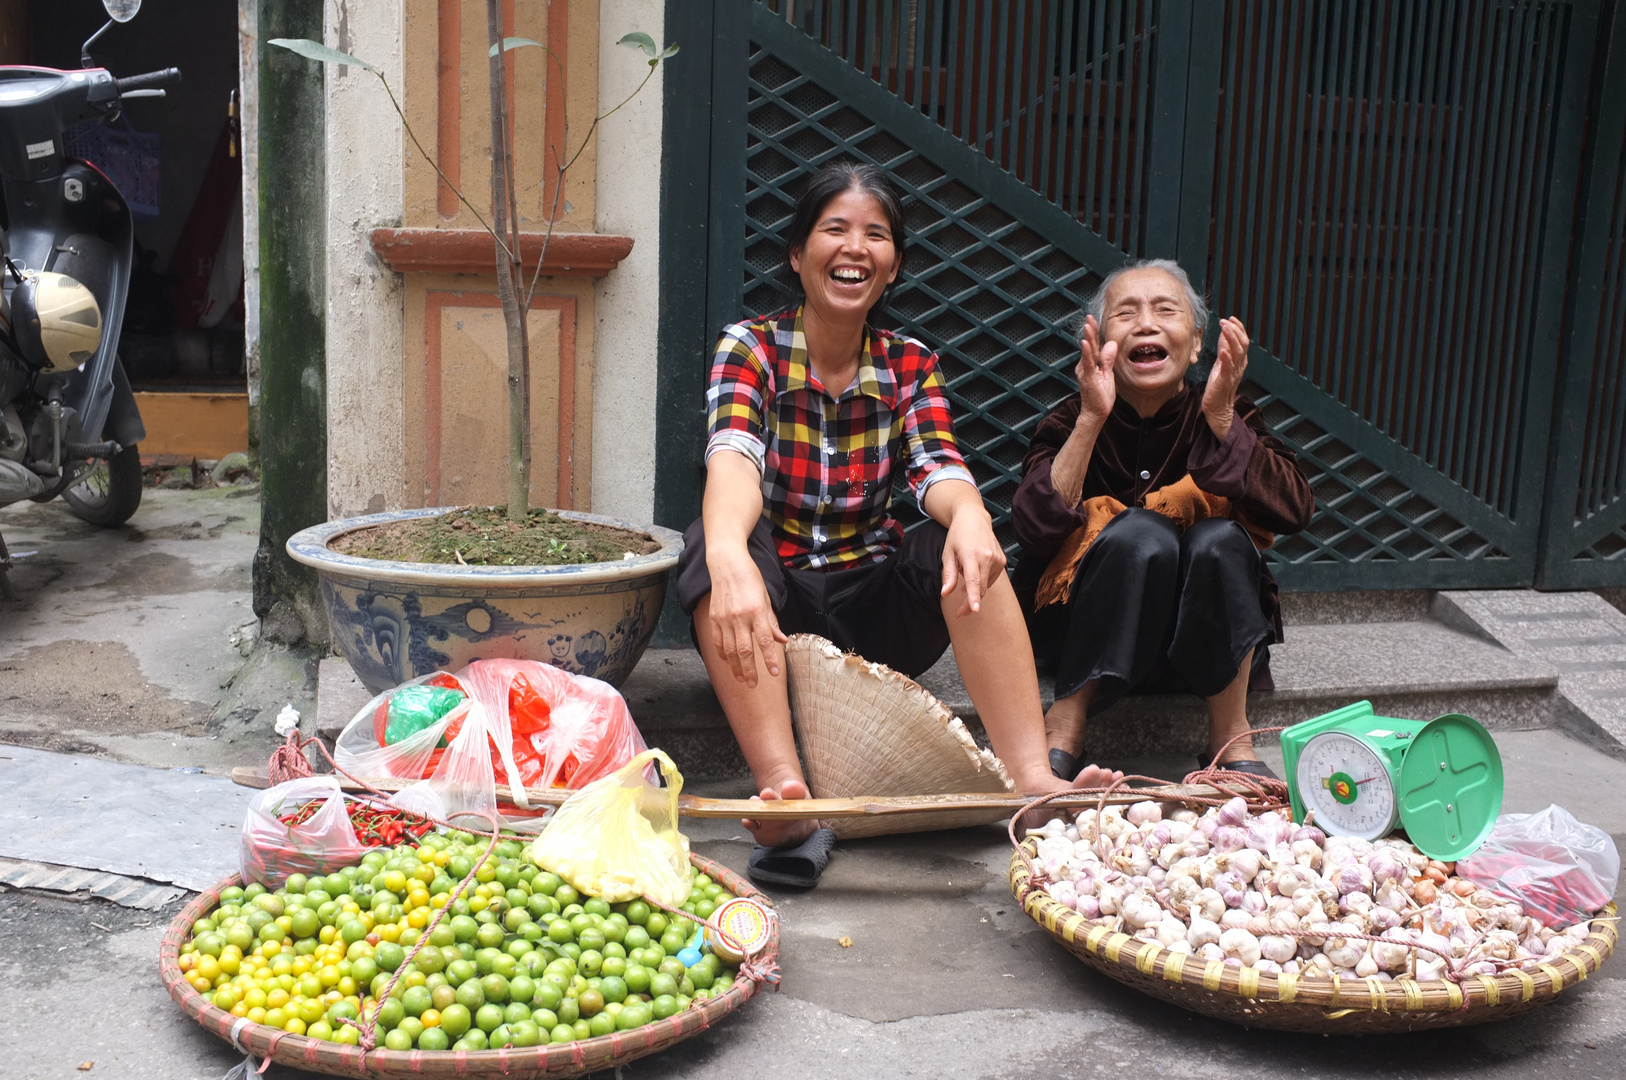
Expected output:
(1132, 456)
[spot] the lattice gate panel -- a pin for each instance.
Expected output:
(1585, 541)
(1365, 514)
(1059, 93)
(1381, 193)
(992, 296)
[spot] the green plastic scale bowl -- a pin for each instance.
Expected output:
(1363, 775)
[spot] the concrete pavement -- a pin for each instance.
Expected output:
(945, 976)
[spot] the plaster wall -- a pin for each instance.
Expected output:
(626, 303)
(248, 67)
(366, 421)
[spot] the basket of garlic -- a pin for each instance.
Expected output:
(1250, 918)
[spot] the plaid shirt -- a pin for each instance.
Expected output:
(828, 463)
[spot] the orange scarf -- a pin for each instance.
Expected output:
(1182, 502)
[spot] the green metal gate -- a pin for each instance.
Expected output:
(1384, 191)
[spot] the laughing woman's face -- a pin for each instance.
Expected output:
(1148, 315)
(849, 258)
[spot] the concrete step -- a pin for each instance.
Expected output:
(1412, 668)
(1384, 647)
(1580, 635)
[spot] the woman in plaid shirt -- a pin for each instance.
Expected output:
(812, 413)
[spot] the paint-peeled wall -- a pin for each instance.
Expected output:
(364, 297)
(627, 300)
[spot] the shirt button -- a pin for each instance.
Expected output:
(1144, 475)
(825, 500)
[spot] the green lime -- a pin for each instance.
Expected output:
(562, 1033)
(397, 1040)
(601, 1024)
(417, 999)
(488, 1017)
(434, 1039)
(637, 978)
(515, 1012)
(635, 1015)
(613, 988)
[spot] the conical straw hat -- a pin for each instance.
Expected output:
(867, 730)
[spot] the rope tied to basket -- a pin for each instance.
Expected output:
(1261, 793)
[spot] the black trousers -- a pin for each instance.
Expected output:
(1153, 608)
(888, 612)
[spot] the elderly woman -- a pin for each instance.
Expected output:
(1143, 505)
(813, 413)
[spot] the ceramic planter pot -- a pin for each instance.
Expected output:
(395, 621)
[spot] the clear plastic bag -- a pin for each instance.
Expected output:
(523, 723)
(618, 837)
(271, 851)
(1561, 870)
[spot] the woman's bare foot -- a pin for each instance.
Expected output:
(1091, 776)
(777, 833)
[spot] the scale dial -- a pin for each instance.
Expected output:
(1348, 786)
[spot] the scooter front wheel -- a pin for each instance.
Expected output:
(110, 492)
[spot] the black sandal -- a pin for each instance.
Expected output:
(1249, 766)
(1064, 765)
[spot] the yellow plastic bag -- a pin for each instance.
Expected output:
(618, 839)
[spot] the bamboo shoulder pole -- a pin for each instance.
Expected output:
(792, 809)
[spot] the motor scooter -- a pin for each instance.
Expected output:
(69, 424)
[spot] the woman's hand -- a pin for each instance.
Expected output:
(743, 625)
(971, 555)
(1219, 400)
(1097, 388)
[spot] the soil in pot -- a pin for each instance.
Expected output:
(484, 536)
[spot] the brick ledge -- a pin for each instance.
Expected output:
(470, 251)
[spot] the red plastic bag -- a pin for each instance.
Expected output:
(1560, 870)
(271, 851)
(525, 724)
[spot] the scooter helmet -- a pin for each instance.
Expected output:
(56, 320)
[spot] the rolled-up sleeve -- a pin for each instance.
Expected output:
(928, 430)
(735, 396)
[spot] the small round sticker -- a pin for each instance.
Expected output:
(746, 923)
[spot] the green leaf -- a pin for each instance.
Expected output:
(509, 44)
(315, 50)
(640, 41)
(670, 50)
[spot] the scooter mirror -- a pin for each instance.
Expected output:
(121, 11)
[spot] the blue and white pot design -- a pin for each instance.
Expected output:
(395, 621)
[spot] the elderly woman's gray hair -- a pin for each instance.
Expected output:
(1097, 304)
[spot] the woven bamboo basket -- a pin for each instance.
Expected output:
(335, 1059)
(868, 730)
(1321, 1006)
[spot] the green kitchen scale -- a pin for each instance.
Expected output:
(1362, 775)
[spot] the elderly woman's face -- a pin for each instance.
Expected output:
(1148, 316)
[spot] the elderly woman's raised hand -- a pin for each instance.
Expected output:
(1219, 400)
(1096, 387)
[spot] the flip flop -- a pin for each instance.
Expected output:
(1252, 768)
(796, 865)
(1063, 765)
